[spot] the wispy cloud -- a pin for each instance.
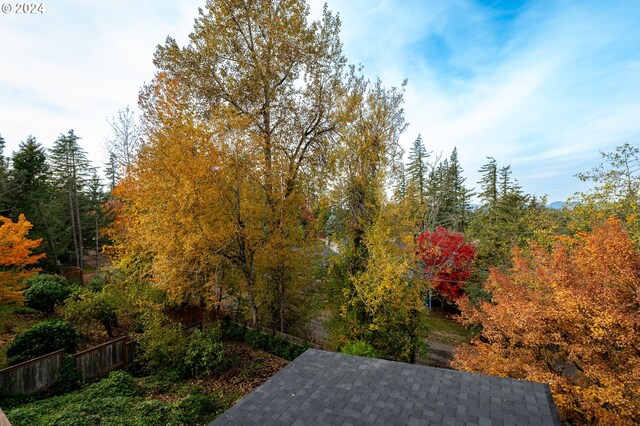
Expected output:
(542, 86)
(78, 63)
(539, 85)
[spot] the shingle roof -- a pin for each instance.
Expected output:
(327, 388)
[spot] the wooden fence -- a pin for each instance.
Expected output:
(40, 373)
(32, 376)
(103, 358)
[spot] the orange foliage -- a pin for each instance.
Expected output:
(15, 257)
(570, 318)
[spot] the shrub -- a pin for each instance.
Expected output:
(68, 377)
(258, 340)
(359, 348)
(199, 408)
(44, 292)
(166, 348)
(205, 353)
(90, 306)
(23, 310)
(41, 339)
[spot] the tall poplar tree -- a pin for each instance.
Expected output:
(280, 75)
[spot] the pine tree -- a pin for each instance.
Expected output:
(4, 180)
(111, 171)
(489, 183)
(71, 169)
(31, 195)
(417, 170)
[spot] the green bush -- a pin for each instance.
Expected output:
(205, 353)
(199, 408)
(166, 348)
(41, 339)
(88, 306)
(68, 377)
(258, 340)
(359, 348)
(44, 292)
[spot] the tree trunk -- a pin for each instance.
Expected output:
(281, 279)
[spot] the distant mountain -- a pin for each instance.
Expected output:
(557, 205)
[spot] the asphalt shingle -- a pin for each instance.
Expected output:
(322, 387)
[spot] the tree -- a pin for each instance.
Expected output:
(32, 195)
(123, 144)
(569, 317)
(446, 260)
(71, 169)
(616, 194)
(265, 64)
(4, 179)
(499, 223)
(16, 257)
(373, 299)
(489, 182)
(417, 169)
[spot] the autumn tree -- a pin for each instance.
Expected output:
(15, 257)
(616, 192)
(372, 296)
(446, 260)
(267, 65)
(569, 317)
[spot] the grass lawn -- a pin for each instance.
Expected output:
(444, 329)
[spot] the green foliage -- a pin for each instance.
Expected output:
(167, 349)
(90, 306)
(199, 408)
(359, 348)
(43, 338)
(68, 377)
(23, 310)
(118, 399)
(205, 354)
(44, 292)
(258, 340)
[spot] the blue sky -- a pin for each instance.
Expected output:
(541, 85)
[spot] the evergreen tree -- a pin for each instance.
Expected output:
(111, 171)
(31, 194)
(71, 169)
(4, 180)
(417, 170)
(455, 196)
(489, 183)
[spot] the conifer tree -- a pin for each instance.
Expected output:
(70, 168)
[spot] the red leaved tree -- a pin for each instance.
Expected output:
(447, 260)
(15, 257)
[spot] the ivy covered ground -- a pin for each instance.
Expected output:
(123, 399)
